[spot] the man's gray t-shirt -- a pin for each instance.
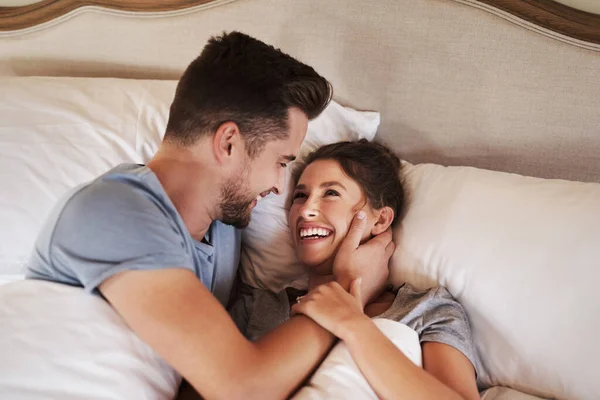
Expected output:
(124, 220)
(433, 313)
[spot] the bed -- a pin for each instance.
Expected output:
(494, 105)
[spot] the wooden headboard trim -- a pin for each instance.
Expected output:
(23, 17)
(549, 15)
(553, 16)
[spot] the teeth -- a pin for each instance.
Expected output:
(314, 232)
(258, 198)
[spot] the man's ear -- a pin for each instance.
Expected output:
(226, 141)
(385, 217)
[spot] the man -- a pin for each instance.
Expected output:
(158, 242)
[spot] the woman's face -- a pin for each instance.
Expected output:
(323, 205)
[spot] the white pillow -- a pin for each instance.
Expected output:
(268, 259)
(59, 132)
(59, 342)
(338, 376)
(522, 255)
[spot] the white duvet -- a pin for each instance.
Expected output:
(57, 342)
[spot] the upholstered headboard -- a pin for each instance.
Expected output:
(502, 84)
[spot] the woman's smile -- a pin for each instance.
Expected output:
(324, 202)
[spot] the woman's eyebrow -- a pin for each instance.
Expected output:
(302, 186)
(333, 183)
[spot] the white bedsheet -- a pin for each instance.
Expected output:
(57, 342)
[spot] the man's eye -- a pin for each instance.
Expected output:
(283, 165)
(331, 192)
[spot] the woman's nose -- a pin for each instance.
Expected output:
(309, 209)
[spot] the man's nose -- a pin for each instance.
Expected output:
(278, 188)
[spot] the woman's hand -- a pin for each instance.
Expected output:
(330, 306)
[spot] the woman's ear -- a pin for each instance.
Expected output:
(385, 217)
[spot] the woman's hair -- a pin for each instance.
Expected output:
(373, 166)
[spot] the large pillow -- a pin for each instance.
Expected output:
(59, 132)
(58, 342)
(268, 259)
(523, 257)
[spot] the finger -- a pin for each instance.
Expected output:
(383, 239)
(295, 310)
(355, 289)
(334, 285)
(298, 308)
(389, 249)
(355, 233)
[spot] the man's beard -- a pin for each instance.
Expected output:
(235, 202)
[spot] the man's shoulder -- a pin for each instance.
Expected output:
(121, 206)
(118, 221)
(125, 187)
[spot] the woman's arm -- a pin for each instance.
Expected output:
(389, 372)
(450, 367)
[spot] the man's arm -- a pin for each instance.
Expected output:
(174, 313)
(184, 323)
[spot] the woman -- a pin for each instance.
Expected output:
(334, 183)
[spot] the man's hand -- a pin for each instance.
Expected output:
(368, 261)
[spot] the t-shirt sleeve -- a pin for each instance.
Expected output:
(437, 317)
(111, 226)
(445, 321)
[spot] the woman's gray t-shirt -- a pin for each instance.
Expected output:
(433, 313)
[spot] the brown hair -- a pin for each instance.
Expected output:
(240, 79)
(372, 165)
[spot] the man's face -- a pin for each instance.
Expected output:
(265, 173)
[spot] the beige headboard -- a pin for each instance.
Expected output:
(496, 84)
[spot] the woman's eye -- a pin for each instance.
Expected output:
(331, 192)
(298, 196)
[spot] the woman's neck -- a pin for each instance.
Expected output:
(315, 280)
(320, 274)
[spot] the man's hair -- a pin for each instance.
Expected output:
(372, 165)
(240, 79)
